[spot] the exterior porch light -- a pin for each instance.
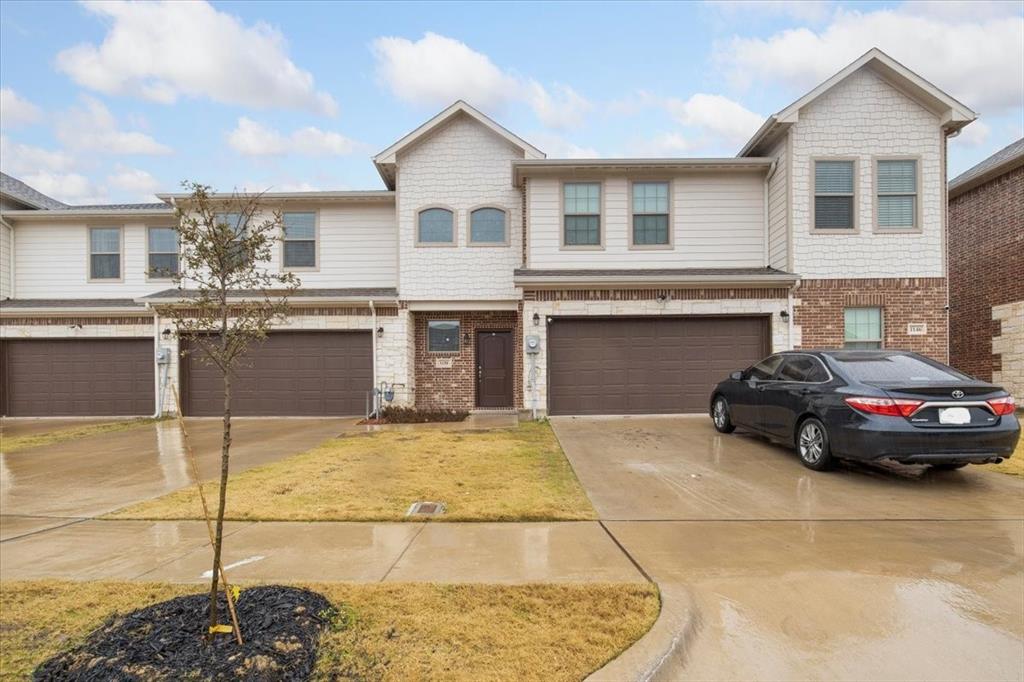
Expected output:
(784, 315)
(166, 333)
(536, 319)
(380, 332)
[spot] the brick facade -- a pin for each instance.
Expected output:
(818, 311)
(986, 270)
(454, 387)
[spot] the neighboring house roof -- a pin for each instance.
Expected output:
(387, 159)
(1003, 161)
(955, 115)
(23, 194)
(650, 276)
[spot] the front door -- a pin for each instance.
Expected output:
(494, 369)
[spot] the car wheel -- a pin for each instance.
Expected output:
(720, 416)
(949, 466)
(812, 445)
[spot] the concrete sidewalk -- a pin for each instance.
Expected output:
(179, 551)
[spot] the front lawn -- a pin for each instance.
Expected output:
(9, 444)
(390, 631)
(515, 474)
(1014, 465)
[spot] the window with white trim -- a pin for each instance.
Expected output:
(105, 253)
(162, 250)
(650, 214)
(862, 328)
(582, 220)
(897, 193)
(299, 239)
(833, 195)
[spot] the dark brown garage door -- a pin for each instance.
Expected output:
(289, 374)
(648, 365)
(77, 377)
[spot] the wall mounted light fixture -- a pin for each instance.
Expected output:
(784, 315)
(380, 332)
(166, 333)
(536, 319)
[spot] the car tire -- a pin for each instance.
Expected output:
(812, 445)
(720, 415)
(949, 466)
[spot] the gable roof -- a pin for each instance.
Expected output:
(23, 194)
(1002, 162)
(954, 114)
(386, 160)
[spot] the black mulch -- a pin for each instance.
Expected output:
(281, 627)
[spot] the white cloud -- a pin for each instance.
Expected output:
(557, 147)
(91, 127)
(18, 159)
(975, 56)
(254, 139)
(716, 116)
(437, 70)
(71, 188)
(17, 111)
(161, 51)
(134, 181)
(974, 135)
(662, 145)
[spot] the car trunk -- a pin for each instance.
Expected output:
(949, 404)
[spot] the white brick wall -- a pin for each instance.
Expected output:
(1009, 345)
(462, 166)
(865, 117)
(535, 390)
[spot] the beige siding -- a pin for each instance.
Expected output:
(5, 261)
(778, 208)
(717, 221)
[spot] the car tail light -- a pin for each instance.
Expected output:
(1003, 406)
(886, 406)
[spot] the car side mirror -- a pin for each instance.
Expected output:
(736, 376)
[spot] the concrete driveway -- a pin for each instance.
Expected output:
(55, 485)
(771, 571)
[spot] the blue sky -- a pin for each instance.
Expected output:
(112, 102)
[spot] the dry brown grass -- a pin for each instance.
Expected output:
(34, 440)
(516, 474)
(1014, 465)
(387, 632)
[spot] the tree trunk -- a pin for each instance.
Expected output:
(225, 448)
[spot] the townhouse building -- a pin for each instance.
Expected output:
(487, 276)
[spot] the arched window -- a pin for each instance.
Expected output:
(435, 226)
(487, 226)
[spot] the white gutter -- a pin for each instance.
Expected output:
(65, 312)
(158, 398)
(686, 281)
(767, 236)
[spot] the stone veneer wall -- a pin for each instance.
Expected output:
(820, 304)
(1008, 348)
(454, 387)
(986, 273)
(639, 302)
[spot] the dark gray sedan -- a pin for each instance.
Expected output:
(869, 405)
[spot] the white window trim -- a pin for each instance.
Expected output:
(918, 227)
(600, 216)
(671, 216)
(855, 214)
(316, 241)
(89, 254)
(881, 325)
(149, 270)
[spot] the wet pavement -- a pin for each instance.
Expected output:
(31, 426)
(770, 571)
(55, 484)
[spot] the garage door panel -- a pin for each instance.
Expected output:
(646, 365)
(78, 377)
(288, 374)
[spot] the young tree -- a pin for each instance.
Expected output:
(229, 299)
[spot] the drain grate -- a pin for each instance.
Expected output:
(426, 509)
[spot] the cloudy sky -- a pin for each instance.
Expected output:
(103, 101)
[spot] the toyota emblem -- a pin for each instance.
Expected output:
(958, 394)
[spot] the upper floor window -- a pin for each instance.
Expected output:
(435, 226)
(862, 328)
(300, 240)
(238, 224)
(105, 253)
(897, 194)
(833, 195)
(487, 226)
(650, 214)
(582, 205)
(162, 251)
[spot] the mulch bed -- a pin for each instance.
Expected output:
(281, 627)
(412, 415)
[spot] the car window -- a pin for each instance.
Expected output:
(803, 368)
(889, 368)
(764, 370)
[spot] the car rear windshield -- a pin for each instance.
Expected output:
(871, 368)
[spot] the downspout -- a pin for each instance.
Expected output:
(161, 367)
(767, 233)
(373, 352)
(945, 240)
